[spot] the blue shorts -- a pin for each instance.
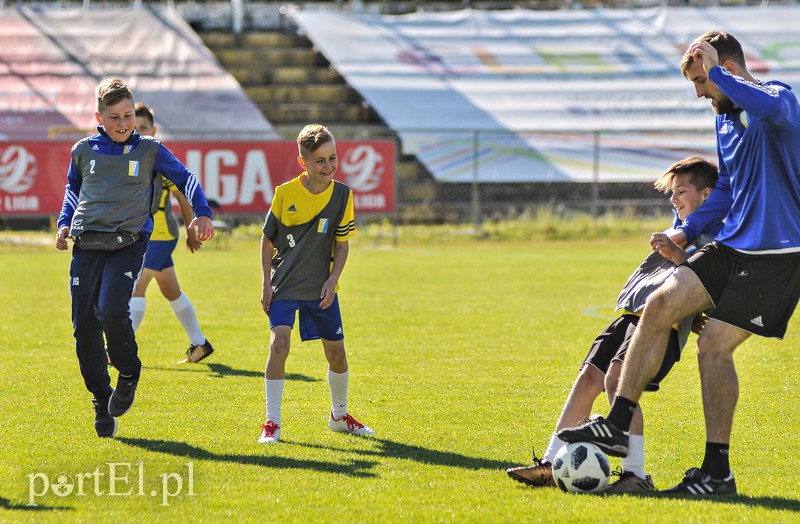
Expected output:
(315, 322)
(159, 254)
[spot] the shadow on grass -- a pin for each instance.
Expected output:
(777, 503)
(353, 468)
(223, 370)
(297, 377)
(390, 448)
(21, 506)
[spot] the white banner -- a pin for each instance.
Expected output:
(522, 71)
(52, 59)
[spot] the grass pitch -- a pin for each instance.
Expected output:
(461, 355)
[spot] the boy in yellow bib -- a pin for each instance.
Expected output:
(158, 262)
(303, 252)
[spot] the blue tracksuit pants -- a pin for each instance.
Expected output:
(101, 285)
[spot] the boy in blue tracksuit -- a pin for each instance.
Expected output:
(107, 212)
(749, 278)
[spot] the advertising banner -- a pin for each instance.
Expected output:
(485, 95)
(240, 176)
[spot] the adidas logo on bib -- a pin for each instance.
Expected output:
(757, 321)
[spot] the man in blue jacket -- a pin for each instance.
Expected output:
(748, 279)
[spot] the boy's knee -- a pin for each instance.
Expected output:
(336, 356)
(170, 291)
(338, 359)
(611, 381)
(279, 347)
(592, 378)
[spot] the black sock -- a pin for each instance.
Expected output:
(716, 462)
(621, 413)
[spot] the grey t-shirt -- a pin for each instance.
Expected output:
(648, 277)
(303, 261)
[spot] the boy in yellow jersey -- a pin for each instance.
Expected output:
(303, 252)
(158, 262)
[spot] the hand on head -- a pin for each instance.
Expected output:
(704, 53)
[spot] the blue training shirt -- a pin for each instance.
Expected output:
(758, 146)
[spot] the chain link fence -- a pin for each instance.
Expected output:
(471, 176)
(475, 176)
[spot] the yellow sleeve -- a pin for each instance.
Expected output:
(166, 183)
(277, 204)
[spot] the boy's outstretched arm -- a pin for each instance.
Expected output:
(188, 215)
(205, 227)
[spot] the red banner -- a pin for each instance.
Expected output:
(240, 176)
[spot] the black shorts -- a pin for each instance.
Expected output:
(755, 293)
(612, 344)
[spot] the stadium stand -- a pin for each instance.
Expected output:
(293, 84)
(539, 85)
(51, 58)
(289, 80)
(480, 124)
(577, 107)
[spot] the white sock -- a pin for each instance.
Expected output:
(137, 306)
(338, 384)
(552, 449)
(184, 310)
(274, 392)
(634, 462)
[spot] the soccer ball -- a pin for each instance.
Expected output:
(581, 467)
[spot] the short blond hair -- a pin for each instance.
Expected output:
(111, 91)
(311, 137)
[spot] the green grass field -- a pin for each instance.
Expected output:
(461, 354)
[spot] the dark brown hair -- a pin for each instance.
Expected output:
(702, 173)
(728, 48)
(144, 111)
